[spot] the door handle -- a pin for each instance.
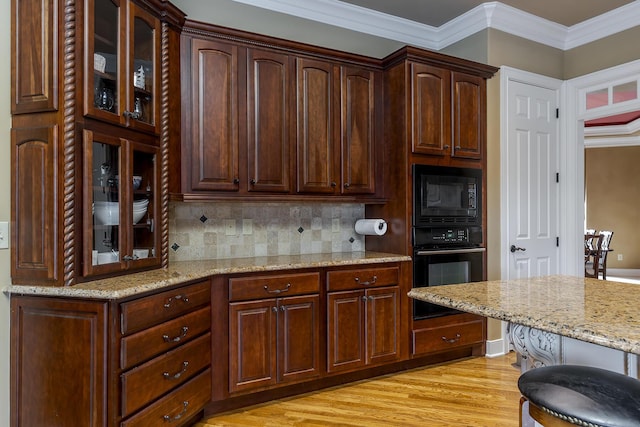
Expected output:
(515, 248)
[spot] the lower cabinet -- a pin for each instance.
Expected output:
(445, 333)
(273, 340)
(139, 362)
(363, 322)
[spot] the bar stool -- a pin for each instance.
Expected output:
(570, 395)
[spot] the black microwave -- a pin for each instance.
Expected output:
(446, 195)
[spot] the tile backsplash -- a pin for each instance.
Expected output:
(219, 230)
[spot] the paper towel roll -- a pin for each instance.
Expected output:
(371, 227)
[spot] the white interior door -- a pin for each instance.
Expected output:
(530, 177)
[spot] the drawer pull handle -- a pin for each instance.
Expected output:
(177, 298)
(168, 376)
(451, 340)
(277, 291)
(183, 334)
(170, 419)
(370, 282)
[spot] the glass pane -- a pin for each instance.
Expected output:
(143, 205)
(143, 71)
(105, 57)
(597, 98)
(625, 92)
(449, 273)
(106, 206)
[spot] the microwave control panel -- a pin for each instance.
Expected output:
(472, 195)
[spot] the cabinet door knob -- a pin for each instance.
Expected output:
(333, 184)
(347, 185)
(236, 181)
(252, 181)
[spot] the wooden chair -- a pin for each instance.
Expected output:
(604, 250)
(592, 254)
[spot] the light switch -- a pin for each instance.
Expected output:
(4, 235)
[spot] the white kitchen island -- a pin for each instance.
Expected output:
(556, 319)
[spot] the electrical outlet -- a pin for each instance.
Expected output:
(230, 227)
(4, 235)
(247, 226)
(620, 257)
(335, 225)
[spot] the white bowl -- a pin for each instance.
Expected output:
(141, 253)
(138, 214)
(106, 213)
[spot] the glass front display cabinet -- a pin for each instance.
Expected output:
(121, 206)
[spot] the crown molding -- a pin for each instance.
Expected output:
(613, 130)
(487, 15)
(630, 141)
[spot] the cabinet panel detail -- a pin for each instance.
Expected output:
(54, 343)
(298, 338)
(34, 24)
(214, 157)
(346, 330)
(268, 121)
(35, 238)
(431, 115)
(358, 130)
(252, 346)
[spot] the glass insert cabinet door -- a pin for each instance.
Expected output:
(120, 206)
(121, 68)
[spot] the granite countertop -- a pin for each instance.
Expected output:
(596, 311)
(185, 271)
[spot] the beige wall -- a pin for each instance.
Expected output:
(611, 51)
(612, 192)
(5, 201)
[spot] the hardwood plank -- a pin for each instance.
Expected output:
(471, 392)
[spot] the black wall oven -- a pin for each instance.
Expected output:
(447, 231)
(435, 267)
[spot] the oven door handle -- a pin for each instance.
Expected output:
(452, 251)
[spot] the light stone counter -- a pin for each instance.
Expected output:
(601, 312)
(186, 271)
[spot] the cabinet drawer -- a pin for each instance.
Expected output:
(361, 278)
(176, 407)
(151, 380)
(441, 338)
(283, 285)
(145, 344)
(154, 309)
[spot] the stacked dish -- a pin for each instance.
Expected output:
(139, 209)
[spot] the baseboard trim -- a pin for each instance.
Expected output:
(623, 272)
(495, 348)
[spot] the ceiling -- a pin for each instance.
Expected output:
(438, 12)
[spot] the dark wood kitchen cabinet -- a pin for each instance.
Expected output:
(136, 362)
(336, 105)
(276, 120)
(85, 82)
(275, 340)
(448, 112)
(363, 318)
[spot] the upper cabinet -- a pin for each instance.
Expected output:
(281, 122)
(448, 112)
(336, 132)
(90, 131)
(122, 66)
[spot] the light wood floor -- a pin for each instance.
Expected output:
(478, 392)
